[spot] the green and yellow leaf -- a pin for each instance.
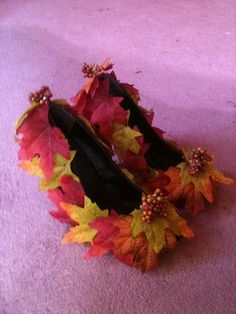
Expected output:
(124, 139)
(32, 167)
(155, 231)
(62, 168)
(82, 233)
(202, 182)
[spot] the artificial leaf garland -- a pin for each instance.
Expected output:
(136, 239)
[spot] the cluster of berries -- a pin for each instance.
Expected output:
(153, 205)
(198, 159)
(90, 70)
(41, 96)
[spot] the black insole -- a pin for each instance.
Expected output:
(102, 181)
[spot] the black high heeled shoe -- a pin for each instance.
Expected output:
(161, 154)
(102, 181)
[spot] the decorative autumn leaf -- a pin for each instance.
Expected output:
(32, 167)
(152, 181)
(194, 201)
(24, 116)
(62, 168)
(132, 91)
(135, 252)
(103, 241)
(218, 176)
(159, 180)
(203, 181)
(124, 139)
(174, 187)
(83, 216)
(159, 132)
(84, 105)
(178, 225)
(136, 163)
(170, 239)
(108, 111)
(155, 230)
(91, 85)
(192, 180)
(148, 114)
(40, 138)
(107, 65)
(71, 192)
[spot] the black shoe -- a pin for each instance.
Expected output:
(160, 155)
(102, 181)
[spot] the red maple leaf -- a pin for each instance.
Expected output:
(136, 163)
(132, 91)
(103, 241)
(106, 111)
(70, 192)
(84, 105)
(160, 181)
(158, 131)
(39, 137)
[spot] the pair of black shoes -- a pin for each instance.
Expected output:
(101, 179)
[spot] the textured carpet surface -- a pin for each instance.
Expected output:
(181, 55)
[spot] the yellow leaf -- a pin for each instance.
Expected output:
(79, 234)
(62, 167)
(170, 239)
(155, 231)
(177, 224)
(123, 139)
(83, 216)
(202, 181)
(32, 167)
(219, 177)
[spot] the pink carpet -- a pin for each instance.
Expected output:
(181, 55)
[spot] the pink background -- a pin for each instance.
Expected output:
(181, 55)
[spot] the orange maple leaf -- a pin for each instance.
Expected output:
(135, 252)
(194, 189)
(170, 239)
